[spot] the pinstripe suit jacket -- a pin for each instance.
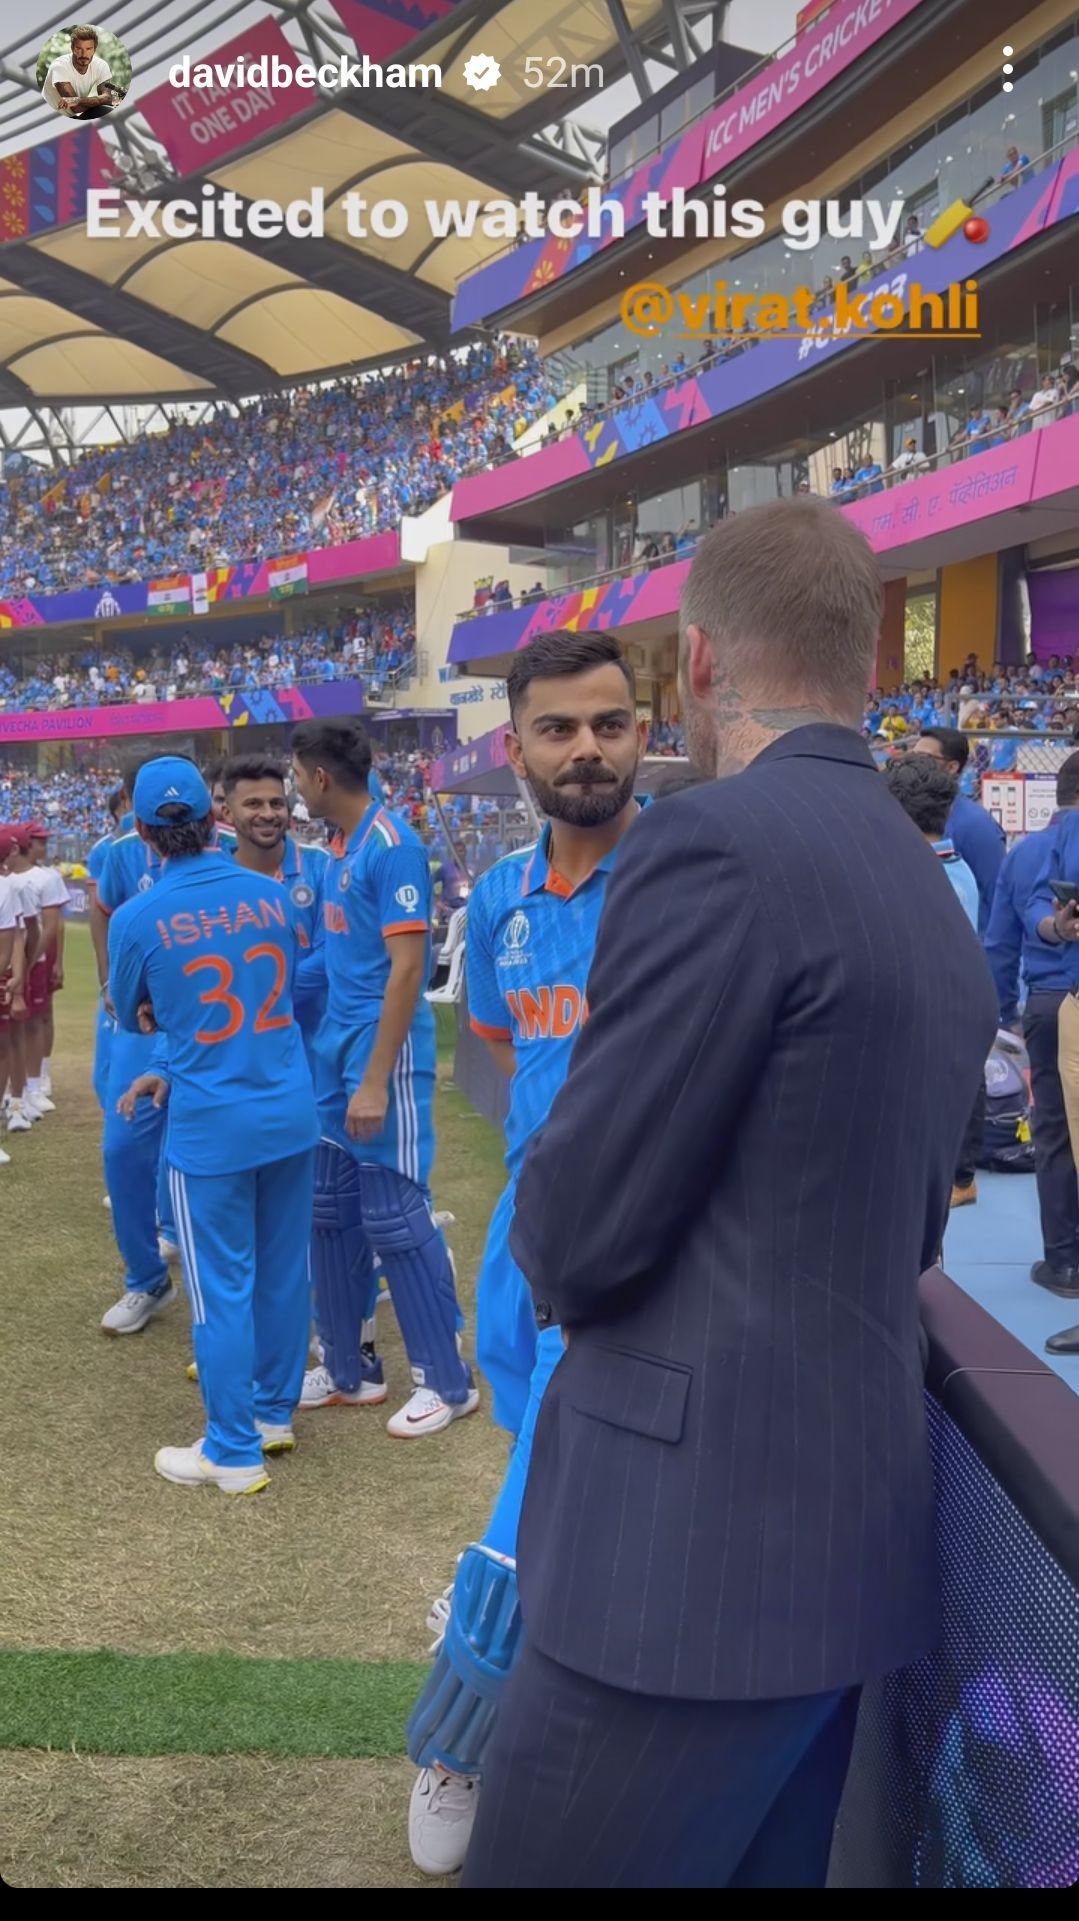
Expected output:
(739, 1184)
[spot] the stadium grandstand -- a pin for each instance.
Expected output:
(341, 428)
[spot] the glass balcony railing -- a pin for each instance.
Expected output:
(964, 446)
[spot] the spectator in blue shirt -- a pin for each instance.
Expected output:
(1010, 953)
(869, 477)
(926, 791)
(978, 840)
(1051, 935)
(1015, 164)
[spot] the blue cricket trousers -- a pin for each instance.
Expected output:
(244, 1239)
(132, 1154)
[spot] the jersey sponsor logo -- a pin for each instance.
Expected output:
(547, 1013)
(302, 894)
(408, 898)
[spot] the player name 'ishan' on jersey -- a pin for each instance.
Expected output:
(529, 943)
(214, 948)
(378, 884)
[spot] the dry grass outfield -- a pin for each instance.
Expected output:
(239, 1821)
(339, 1558)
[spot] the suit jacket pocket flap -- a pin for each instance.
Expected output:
(634, 1391)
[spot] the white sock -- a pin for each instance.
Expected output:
(33, 1083)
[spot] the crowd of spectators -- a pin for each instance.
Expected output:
(1037, 698)
(377, 643)
(985, 427)
(73, 803)
(282, 474)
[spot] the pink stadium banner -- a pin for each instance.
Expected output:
(255, 707)
(817, 58)
(198, 126)
(1033, 467)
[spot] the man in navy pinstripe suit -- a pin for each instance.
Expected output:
(728, 1521)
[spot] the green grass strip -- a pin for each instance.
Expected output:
(108, 1703)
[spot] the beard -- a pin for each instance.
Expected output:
(597, 800)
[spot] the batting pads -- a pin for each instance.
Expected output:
(341, 1266)
(451, 1723)
(397, 1219)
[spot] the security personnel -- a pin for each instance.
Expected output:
(1007, 949)
(975, 834)
(1051, 956)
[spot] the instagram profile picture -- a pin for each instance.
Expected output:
(83, 71)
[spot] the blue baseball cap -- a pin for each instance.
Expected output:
(170, 784)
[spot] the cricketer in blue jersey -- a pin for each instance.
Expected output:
(95, 866)
(135, 1176)
(134, 1155)
(531, 933)
(375, 1081)
(257, 811)
(213, 949)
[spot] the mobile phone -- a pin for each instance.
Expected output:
(1064, 891)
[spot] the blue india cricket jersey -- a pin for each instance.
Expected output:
(215, 950)
(96, 858)
(132, 867)
(378, 887)
(129, 867)
(529, 945)
(303, 874)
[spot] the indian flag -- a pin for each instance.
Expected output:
(170, 596)
(288, 576)
(207, 589)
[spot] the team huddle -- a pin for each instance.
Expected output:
(284, 984)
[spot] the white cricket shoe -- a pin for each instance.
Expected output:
(441, 1812)
(5, 1159)
(188, 1467)
(31, 1109)
(40, 1100)
(18, 1120)
(132, 1311)
(425, 1412)
(106, 1201)
(168, 1250)
(276, 1436)
(321, 1390)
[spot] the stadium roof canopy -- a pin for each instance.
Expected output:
(157, 319)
